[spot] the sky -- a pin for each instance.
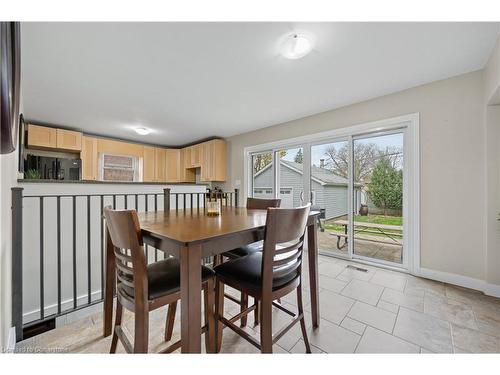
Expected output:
(318, 151)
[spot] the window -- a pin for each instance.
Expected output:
(120, 168)
(262, 175)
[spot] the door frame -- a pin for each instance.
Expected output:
(411, 171)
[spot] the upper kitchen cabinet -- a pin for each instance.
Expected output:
(160, 168)
(41, 137)
(69, 140)
(109, 146)
(161, 165)
(192, 156)
(213, 160)
(148, 164)
(173, 165)
(187, 173)
(89, 158)
(46, 138)
(196, 155)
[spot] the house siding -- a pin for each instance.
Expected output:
(332, 198)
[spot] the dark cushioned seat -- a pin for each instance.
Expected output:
(164, 278)
(244, 250)
(247, 272)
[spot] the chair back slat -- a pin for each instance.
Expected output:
(283, 243)
(125, 280)
(130, 260)
(126, 270)
(262, 204)
(277, 262)
(123, 257)
(283, 271)
(284, 250)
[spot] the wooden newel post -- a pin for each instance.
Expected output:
(166, 199)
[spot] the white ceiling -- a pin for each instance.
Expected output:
(188, 81)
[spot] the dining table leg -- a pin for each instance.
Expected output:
(312, 252)
(190, 258)
(109, 287)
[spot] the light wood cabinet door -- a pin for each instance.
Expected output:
(187, 174)
(148, 165)
(173, 165)
(89, 158)
(160, 167)
(186, 157)
(206, 161)
(213, 163)
(110, 146)
(195, 155)
(219, 160)
(42, 137)
(69, 140)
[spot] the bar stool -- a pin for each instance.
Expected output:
(142, 288)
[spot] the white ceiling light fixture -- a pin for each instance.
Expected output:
(142, 131)
(296, 46)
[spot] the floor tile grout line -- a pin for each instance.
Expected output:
(356, 320)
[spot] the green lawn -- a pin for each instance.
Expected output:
(380, 219)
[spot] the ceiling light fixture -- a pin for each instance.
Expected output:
(142, 131)
(295, 46)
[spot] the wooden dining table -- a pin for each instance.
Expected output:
(190, 235)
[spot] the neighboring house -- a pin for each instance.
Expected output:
(329, 190)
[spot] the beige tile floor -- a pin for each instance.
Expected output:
(378, 311)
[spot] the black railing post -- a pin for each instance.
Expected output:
(17, 261)
(236, 196)
(166, 199)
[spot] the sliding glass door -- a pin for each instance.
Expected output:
(290, 176)
(329, 193)
(359, 184)
(378, 197)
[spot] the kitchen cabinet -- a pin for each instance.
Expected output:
(42, 137)
(109, 146)
(173, 165)
(148, 164)
(186, 157)
(45, 138)
(89, 158)
(195, 155)
(207, 159)
(69, 140)
(160, 168)
(187, 174)
(192, 156)
(213, 161)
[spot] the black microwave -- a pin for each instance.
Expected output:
(51, 168)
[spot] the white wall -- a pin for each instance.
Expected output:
(492, 141)
(492, 76)
(452, 137)
(8, 171)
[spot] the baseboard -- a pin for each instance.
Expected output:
(492, 290)
(67, 304)
(463, 281)
(11, 341)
